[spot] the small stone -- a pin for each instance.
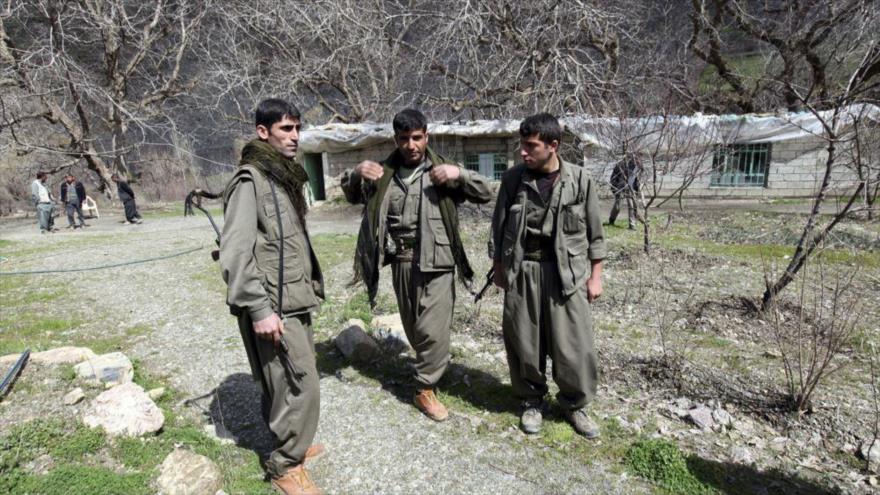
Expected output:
(872, 480)
(347, 374)
(114, 368)
(869, 452)
(41, 465)
(683, 403)
(389, 330)
(156, 393)
(778, 444)
(741, 455)
(74, 396)
(186, 473)
(220, 434)
(702, 417)
(355, 344)
(125, 410)
(722, 417)
(772, 353)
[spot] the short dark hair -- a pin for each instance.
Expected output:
(409, 119)
(544, 125)
(272, 110)
(41, 174)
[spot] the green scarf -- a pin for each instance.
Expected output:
(367, 254)
(286, 172)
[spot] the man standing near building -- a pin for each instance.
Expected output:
(126, 195)
(625, 185)
(411, 222)
(72, 196)
(44, 203)
(547, 246)
(274, 284)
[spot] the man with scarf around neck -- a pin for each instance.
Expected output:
(547, 247)
(411, 222)
(268, 185)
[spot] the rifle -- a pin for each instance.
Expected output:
(490, 279)
(194, 199)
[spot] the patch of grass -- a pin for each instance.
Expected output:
(333, 249)
(358, 306)
(4, 243)
(140, 453)
(62, 440)
(663, 463)
(73, 478)
(31, 330)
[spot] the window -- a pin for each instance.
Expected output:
(741, 165)
(491, 165)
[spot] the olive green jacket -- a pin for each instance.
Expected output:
(578, 235)
(249, 250)
(439, 238)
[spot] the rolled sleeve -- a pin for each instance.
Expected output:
(595, 232)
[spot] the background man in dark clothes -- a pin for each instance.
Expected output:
(72, 196)
(126, 195)
(625, 185)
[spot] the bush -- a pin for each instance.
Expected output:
(663, 463)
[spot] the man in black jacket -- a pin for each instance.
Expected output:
(126, 195)
(72, 196)
(625, 185)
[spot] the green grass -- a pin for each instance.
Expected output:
(663, 463)
(73, 478)
(63, 441)
(333, 249)
(31, 330)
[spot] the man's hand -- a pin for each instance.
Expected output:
(594, 288)
(498, 277)
(369, 170)
(441, 174)
(269, 328)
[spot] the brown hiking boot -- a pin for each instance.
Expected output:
(296, 481)
(427, 402)
(315, 452)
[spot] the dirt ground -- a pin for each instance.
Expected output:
(674, 331)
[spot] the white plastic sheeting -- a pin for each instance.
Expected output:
(611, 133)
(335, 138)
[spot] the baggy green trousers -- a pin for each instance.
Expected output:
(425, 301)
(537, 323)
(294, 401)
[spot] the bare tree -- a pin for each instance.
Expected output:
(821, 56)
(89, 79)
(812, 339)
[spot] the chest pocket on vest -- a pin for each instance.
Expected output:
(573, 218)
(288, 218)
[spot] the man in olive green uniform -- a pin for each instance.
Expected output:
(411, 221)
(547, 247)
(264, 211)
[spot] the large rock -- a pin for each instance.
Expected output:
(114, 368)
(389, 329)
(59, 355)
(186, 473)
(125, 410)
(355, 344)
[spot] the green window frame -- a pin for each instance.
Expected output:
(741, 165)
(493, 164)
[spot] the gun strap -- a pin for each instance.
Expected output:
(285, 356)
